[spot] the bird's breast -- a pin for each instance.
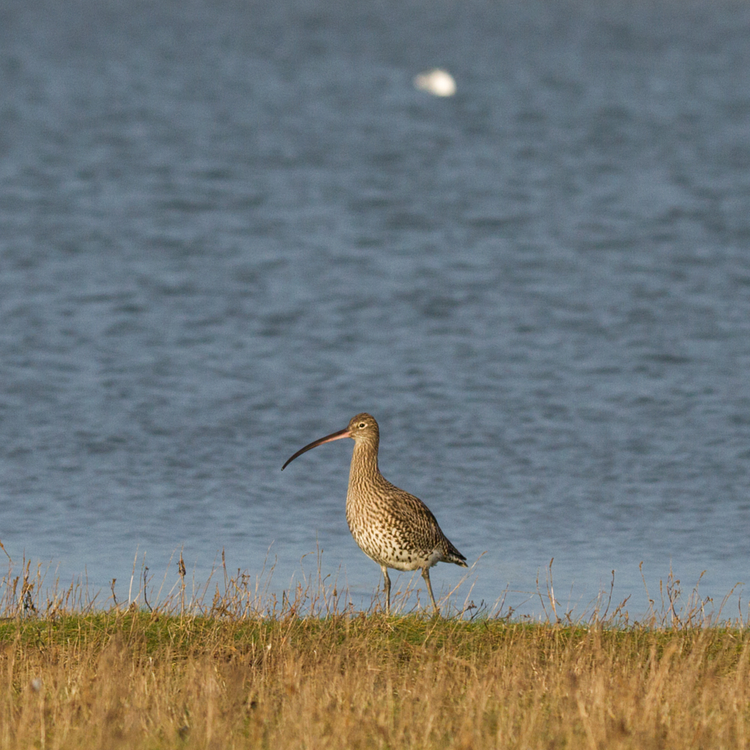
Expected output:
(386, 538)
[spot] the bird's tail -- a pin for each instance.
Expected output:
(452, 555)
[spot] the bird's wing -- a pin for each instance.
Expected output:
(413, 514)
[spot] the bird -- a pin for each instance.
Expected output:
(392, 527)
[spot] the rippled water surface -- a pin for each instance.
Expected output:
(225, 228)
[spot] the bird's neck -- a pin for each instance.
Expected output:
(364, 468)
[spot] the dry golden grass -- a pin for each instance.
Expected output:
(232, 674)
(135, 680)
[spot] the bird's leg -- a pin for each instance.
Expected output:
(387, 583)
(426, 576)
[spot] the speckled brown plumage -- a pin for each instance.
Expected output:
(394, 528)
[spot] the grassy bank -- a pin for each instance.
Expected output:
(229, 665)
(151, 680)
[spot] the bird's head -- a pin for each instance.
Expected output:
(362, 429)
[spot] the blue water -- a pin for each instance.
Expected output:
(227, 227)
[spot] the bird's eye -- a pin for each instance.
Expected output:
(362, 425)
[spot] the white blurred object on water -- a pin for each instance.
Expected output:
(437, 81)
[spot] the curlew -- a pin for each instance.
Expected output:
(394, 528)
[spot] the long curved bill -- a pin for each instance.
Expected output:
(315, 443)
